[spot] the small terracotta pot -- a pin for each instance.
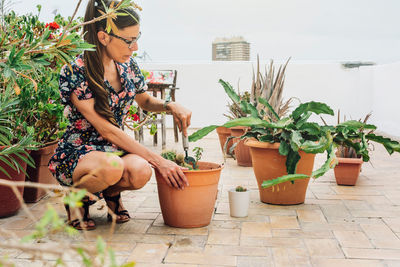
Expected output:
(193, 206)
(223, 134)
(242, 152)
(347, 171)
(9, 203)
(268, 164)
(40, 174)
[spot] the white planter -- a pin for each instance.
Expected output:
(239, 203)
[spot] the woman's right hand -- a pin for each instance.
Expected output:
(173, 174)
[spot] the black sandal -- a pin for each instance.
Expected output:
(76, 223)
(115, 200)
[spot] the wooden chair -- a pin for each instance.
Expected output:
(159, 82)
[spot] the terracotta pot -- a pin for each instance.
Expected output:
(347, 171)
(242, 152)
(268, 164)
(223, 134)
(9, 203)
(40, 174)
(193, 206)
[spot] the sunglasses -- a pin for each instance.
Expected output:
(130, 43)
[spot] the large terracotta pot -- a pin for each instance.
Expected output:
(347, 170)
(268, 164)
(242, 152)
(223, 134)
(193, 206)
(41, 174)
(9, 203)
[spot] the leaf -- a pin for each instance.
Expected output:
(311, 128)
(292, 159)
(128, 264)
(284, 149)
(266, 138)
(282, 179)
(357, 125)
(330, 163)
(295, 140)
(317, 147)
(315, 107)
(201, 133)
(388, 143)
(265, 103)
(229, 91)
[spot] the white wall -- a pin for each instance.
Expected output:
(355, 92)
(386, 98)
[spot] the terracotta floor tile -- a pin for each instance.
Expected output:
(323, 248)
(284, 222)
(311, 216)
(256, 229)
(223, 236)
(370, 253)
(148, 253)
(346, 263)
(353, 239)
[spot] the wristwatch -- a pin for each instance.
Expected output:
(166, 102)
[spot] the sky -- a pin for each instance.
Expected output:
(306, 30)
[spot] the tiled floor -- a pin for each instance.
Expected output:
(336, 226)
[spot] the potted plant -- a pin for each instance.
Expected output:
(14, 156)
(193, 206)
(352, 150)
(268, 86)
(283, 150)
(31, 60)
(224, 134)
(239, 200)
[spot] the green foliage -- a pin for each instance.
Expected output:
(240, 188)
(295, 133)
(180, 158)
(31, 55)
(198, 152)
(12, 150)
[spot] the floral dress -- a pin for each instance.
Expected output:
(81, 137)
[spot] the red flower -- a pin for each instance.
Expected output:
(135, 117)
(52, 25)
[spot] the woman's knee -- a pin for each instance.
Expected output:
(112, 169)
(139, 173)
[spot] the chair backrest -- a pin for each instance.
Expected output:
(162, 77)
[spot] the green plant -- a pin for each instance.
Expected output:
(11, 149)
(356, 147)
(295, 133)
(31, 55)
(180, 158)
(240, 188)
(270, 87)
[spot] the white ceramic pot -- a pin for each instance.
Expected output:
(239, 203)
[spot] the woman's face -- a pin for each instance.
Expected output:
(118, 49)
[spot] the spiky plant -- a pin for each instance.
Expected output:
(269, 86)
(240, 188)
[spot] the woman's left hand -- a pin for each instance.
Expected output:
(182, 116)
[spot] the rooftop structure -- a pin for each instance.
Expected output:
(230, 49)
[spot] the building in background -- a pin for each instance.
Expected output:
(230, 49)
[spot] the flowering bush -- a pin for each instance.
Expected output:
(31, 55)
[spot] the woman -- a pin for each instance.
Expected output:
(97, 93)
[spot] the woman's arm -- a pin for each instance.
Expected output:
(182, 116)
(171, 172)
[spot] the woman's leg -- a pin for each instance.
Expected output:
(137, 172)
(95, 172)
